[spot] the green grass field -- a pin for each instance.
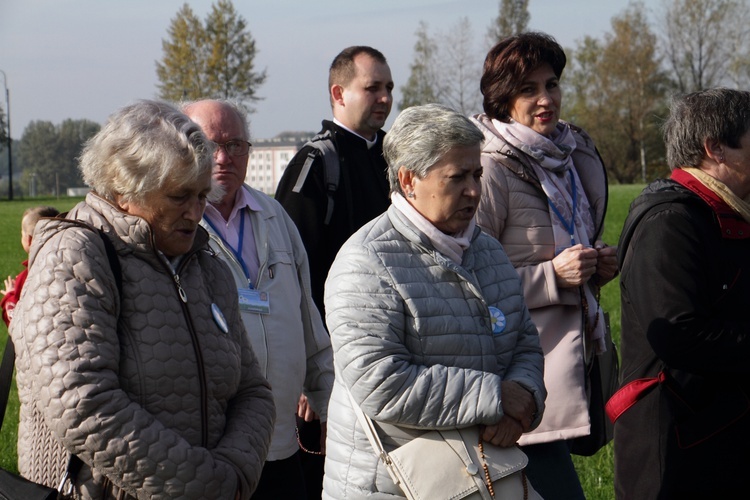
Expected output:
(596, 472)
(11, 256)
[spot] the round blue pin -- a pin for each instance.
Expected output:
(498, 320)
(219, 318)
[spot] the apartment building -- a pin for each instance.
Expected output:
(269, 158)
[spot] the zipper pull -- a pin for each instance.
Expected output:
(180, 290)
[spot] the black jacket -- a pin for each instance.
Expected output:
(361, 196)
(685, 291)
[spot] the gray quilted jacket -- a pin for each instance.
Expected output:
(149, 391)
(413, 341)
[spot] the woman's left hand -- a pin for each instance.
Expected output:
(505, 433)
(606, 261)
(518, 403)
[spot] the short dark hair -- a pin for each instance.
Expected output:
(716, 114)
(342, 68)
(509, 62)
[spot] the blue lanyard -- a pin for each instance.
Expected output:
(238, 251)
(569, 226)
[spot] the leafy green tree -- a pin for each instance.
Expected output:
(38, 155)
(231, 71)
(421, 87)
(706, 42)
(513, 17)
(210, 59)
(71, 137)
(181, 73)
(617, 94)
(49, 154)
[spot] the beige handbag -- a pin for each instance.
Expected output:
(452, 464)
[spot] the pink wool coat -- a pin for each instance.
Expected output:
(514, 209)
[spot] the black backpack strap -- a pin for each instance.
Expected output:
(114, 260)
(322, 144)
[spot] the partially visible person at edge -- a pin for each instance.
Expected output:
(410, 302)
(13, 287)
(544, 198)
(685, 287)
(153, 384)
(360, 91)
(254, 235)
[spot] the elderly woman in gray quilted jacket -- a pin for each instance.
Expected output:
(132, 360)
(426, 313)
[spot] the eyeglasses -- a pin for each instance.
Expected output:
(235, 147)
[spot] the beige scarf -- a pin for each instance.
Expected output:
(452, 246)
(721, 190)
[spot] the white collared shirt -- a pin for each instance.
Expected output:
(229, 230)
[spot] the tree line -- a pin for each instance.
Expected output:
(617, 87)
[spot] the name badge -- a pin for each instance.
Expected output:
(254, 301)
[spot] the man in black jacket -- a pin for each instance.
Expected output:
(360, 90)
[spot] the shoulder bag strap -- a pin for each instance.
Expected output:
(6, 376)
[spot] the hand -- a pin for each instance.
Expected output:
(505, 433)
(575, 265)
(304, 410)
(323, 434)
(518, 403)
(606, 261)
(8, 286)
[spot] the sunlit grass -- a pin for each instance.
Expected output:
(596, 473)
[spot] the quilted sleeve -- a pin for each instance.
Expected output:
(70, 332)
(367, 321)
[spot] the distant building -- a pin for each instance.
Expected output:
(269, 158)
(78, 191)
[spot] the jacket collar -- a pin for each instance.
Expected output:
(733, 226)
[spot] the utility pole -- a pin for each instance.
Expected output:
(10, 141)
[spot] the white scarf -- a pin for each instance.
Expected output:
(452, 246)
(570, 215)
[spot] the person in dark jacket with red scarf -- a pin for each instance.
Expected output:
(684, 258)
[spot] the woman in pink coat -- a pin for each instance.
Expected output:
(544, 198)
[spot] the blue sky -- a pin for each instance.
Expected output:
(86, 58)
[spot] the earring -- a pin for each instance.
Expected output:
(410, 194)
(721, 159)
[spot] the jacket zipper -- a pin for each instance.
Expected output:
(196, 347)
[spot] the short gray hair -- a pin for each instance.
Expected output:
(421, 135)
(141, 146)
(717, 114)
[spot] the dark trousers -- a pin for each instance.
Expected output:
(312, 464)
(282, 480)
(551, 471)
